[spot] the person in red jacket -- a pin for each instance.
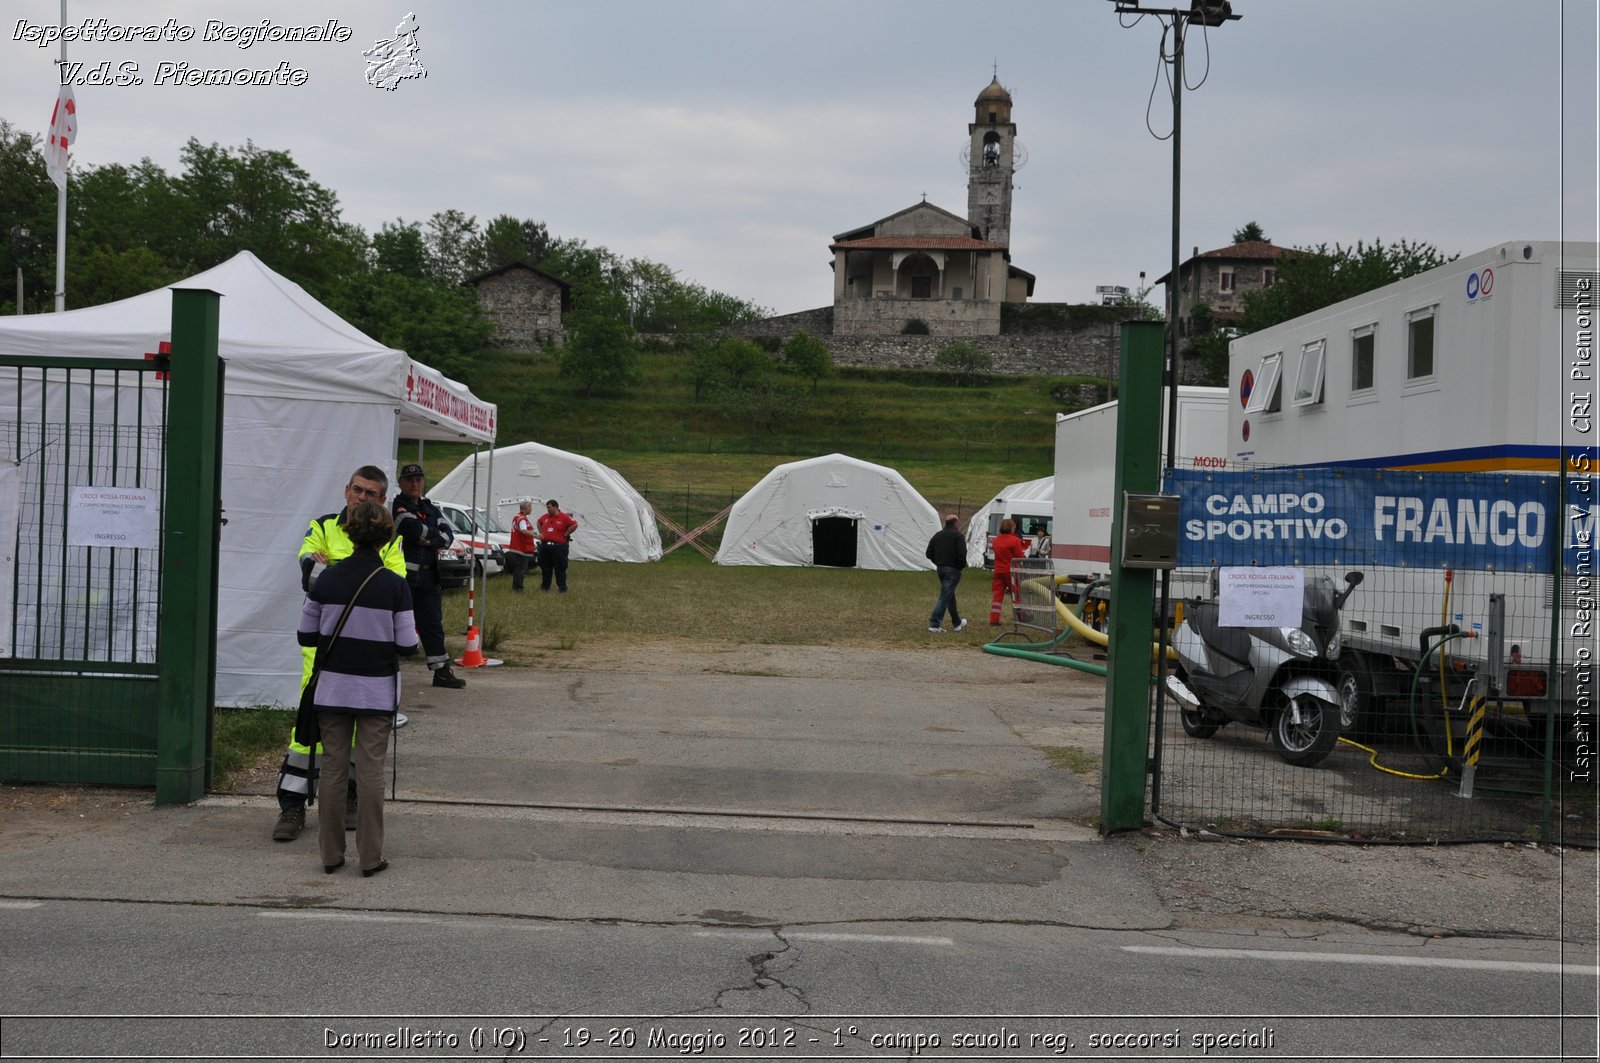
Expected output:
(524, 543)
(555, 533)
(1006, 548)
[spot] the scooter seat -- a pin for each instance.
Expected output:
(1232, 642)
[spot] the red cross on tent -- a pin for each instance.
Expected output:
(162, 357)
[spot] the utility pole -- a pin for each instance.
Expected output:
(1129, 700)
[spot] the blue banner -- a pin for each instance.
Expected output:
(1354, 516)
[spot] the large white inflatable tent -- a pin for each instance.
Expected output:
(308, 398)
(833, 511)
(615, 523)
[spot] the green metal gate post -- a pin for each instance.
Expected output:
(189, 547)
(1125, 751)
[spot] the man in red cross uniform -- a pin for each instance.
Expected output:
(555, 537)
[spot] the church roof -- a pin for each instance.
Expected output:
(995, 91)
(958, 224)
(916, 243)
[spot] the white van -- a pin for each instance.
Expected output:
(482, 533)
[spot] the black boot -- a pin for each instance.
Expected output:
(444, 677)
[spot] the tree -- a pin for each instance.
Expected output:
(506, 240)
(965, 359)
(257, 199)
(729, 364)
(1250, 233)
(600, 355)
(27, 201)
(1312, 278)
(808, 357)
(451, 234)
(399, 247)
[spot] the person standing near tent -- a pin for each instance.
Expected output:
(358, 620)
(326, 543)
(1007, 548)
(555, 537)
(948, 552)
(524, 543)
(423, 531)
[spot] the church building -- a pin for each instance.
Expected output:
(927, 264)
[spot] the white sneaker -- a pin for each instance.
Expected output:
(400, 720)
(961, 626)
(937, 630)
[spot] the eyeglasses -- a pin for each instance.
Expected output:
(364, 492)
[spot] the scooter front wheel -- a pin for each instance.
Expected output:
(1197, 723)
(1305, 731)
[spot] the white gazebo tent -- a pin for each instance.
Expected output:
(834, 511)
(615, 523)
(308, 399)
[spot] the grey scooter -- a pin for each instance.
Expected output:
(1282, 678)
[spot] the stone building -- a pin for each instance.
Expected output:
(930, 265)
(527, 305)
(1220, 278)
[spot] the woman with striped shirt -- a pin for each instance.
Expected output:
(358, 679)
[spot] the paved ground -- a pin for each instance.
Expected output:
(766, 785)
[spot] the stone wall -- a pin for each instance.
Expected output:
(525, 309)
(1089, 351)
(949, 318)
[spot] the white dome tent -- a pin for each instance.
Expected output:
(833, 511)
(615, 523)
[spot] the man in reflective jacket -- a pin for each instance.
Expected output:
(325, 543)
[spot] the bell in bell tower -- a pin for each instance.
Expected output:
(991, 162)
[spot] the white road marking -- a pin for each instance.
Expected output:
(348, 917)
(824, 935)
(1516, 966)
(20, 904)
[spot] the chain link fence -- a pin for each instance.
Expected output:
(1459, 662)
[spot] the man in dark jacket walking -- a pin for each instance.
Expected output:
(948, 552)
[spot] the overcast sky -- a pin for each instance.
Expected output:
(732, 139)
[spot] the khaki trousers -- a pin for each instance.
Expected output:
(371, 744)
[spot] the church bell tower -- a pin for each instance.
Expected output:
(991, 164)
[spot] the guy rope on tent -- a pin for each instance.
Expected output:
(690, 538)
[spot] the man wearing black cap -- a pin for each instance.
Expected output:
(423, 531)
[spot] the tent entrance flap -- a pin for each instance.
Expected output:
(833, 541)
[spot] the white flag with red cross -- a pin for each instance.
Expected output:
(63, 131)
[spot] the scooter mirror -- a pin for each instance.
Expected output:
(1353, 578)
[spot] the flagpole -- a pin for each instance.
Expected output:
(61, 195)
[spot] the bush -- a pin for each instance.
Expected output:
(965, 360)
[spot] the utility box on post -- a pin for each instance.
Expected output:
(1149, 531)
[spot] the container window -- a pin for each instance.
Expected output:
(1308, 384)
(1267, 394)
(1420, 342)
(1363, 357)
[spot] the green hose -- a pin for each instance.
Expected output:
(1045, 658)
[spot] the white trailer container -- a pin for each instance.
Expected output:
(1086, 445)
(1479, 365)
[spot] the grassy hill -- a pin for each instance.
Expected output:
(956, 445)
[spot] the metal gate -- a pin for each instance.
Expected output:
(108, 652)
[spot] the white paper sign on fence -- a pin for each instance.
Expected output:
(126, 518)
(1260, 597)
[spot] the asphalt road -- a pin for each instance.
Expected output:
(672, 845)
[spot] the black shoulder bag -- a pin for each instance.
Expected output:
(307, 728)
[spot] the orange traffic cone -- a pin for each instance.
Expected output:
(473, 657)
